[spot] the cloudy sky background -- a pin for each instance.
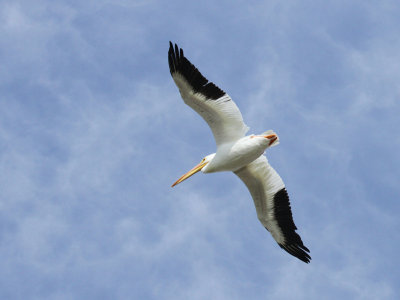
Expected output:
(93, 132)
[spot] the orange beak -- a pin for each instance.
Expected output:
(190, 173)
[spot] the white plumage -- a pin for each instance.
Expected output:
(222, 114)
(238, 153)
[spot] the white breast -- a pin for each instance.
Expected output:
(233, 156)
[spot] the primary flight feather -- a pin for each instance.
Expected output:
(238, 153)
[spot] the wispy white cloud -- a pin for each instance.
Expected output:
(93, 133)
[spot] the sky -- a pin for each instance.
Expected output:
(93, 132)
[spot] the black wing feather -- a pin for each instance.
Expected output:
(283, 214)
(178, 63)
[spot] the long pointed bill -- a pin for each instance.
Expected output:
(190, 173)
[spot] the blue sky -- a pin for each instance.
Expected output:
(93, 132)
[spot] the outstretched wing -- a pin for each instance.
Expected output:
(208, 100)
(272, 204)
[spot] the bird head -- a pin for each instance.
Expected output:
(199, 167)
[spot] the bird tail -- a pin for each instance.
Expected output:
(270, 132)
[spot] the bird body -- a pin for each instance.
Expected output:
(235, 155)
(238, 153)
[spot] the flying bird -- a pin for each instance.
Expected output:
(236, 152)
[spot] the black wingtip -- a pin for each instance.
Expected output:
(178, 63)
(283, 215)
(299, 251)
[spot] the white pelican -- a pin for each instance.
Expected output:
(238, 153)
